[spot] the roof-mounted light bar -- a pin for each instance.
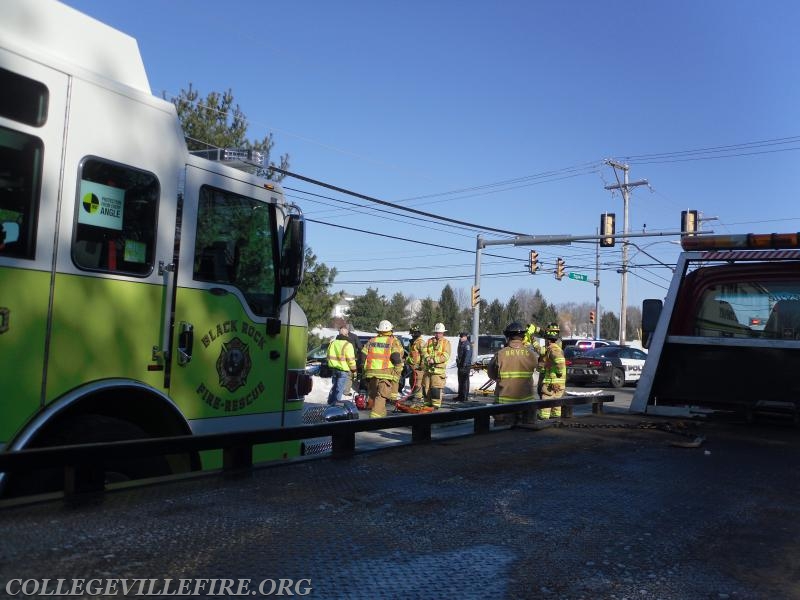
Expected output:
(744, 241)
(244, 159)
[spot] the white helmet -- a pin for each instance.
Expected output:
(439, 328)
(384, 326)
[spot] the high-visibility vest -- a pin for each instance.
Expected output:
(377, 362)
(439, 351)
(555, 367)
(341, 355)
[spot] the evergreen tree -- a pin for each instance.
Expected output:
(483, 320)
(609, 326)
(513, 311)
(448, 310)
(427, 316)
(496, 317)
(368, 310)
(396, 311)
(216, 122)
(546, 314)
(314, 295)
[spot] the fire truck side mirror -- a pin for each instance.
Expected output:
(651, 311)
(293, 251)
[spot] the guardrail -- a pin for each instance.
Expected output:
(83, 462)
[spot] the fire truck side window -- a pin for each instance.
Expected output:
(234, 246)
(24, 99)
(116, 216)
(20, 182)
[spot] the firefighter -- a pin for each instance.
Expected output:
(512, 369)
(552, 372)
(530, 338)
(383, 362)
(342, 363)
(437, 355)
(416, 351)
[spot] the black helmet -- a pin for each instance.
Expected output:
(414, 329)
(513, 329)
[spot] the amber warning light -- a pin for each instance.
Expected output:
(745, 241)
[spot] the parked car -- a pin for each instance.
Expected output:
(614, 365)
(570, 352)
(584, 344)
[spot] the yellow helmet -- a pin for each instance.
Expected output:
(552, 332)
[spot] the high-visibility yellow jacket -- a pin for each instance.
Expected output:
(377, 362)
(341, 355)
(554, 367)
(512, 369)
(437, 355)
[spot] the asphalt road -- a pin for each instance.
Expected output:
(605, 509)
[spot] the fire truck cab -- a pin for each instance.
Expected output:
(144, 291)
(727, 336)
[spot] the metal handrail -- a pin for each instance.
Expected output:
(237, 446)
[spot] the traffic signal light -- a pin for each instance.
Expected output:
(607, 228)
(689, 222)
(476, 296)
(559, 268)
(591, 317)
(533, 266)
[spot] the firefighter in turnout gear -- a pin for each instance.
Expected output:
(383, 363)
(512, 369)
(416, 351)
(531, 340)
(436, 357)
(552, 372)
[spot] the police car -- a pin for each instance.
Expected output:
(614, 365)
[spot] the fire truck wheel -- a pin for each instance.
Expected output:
(617, 378)
(88, 429)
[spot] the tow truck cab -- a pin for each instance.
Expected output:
(727, 335)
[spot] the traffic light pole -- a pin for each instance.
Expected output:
(550, 240)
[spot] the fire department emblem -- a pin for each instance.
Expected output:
(233, 365)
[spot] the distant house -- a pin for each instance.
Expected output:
(342, 308)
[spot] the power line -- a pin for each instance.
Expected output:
(385, 203)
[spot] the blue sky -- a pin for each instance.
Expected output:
(411, 102)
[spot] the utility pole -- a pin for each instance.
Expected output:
(625, 187)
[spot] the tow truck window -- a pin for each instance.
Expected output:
(116, 215)
(234, 246)
(753, 309)
(20, 182)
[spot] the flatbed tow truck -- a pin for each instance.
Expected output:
(727, 335)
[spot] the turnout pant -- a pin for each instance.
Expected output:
(379, 391)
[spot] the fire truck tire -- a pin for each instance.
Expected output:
(617, 378)
(87, 429)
